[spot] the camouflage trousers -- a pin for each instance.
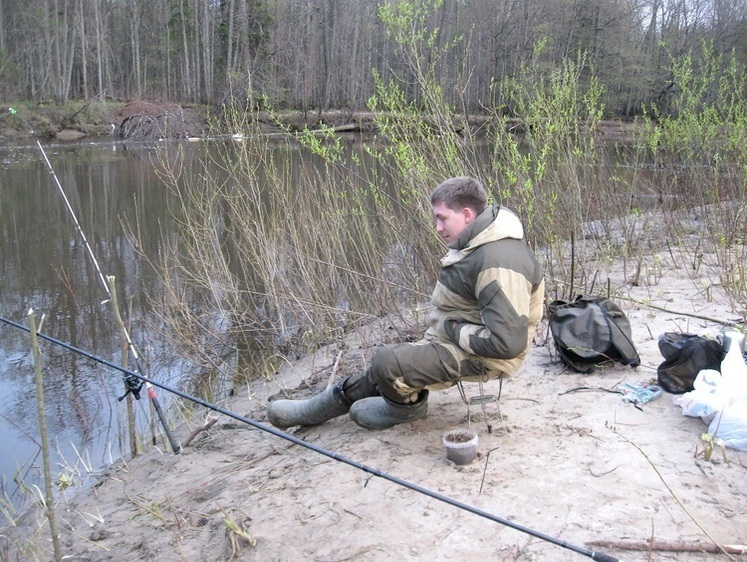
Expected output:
(400, 371)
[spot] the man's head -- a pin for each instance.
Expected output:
(456, 203)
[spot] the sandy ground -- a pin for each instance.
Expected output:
(569, 460)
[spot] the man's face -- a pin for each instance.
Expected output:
(449, 223)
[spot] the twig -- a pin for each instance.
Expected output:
(74, 115)
(667, 546)
(611, 390)
(207, 425)
(524, 399)
(334, 369)
(719, 321)
(485, 468)
(603, 473)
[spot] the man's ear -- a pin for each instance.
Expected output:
(469, 215)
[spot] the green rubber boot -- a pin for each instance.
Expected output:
(379, 412)
(312, 411)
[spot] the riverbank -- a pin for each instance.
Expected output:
(565, 456)
(148, 120)
(79, 119)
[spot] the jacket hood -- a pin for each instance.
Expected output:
(494, 223)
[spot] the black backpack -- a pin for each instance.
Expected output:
(591, 330)
(685, 355)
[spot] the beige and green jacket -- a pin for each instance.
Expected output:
(489, 296)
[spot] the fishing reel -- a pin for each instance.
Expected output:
(133, 385)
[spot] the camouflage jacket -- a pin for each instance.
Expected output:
(489, 295)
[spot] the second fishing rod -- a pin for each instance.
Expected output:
(133, 385)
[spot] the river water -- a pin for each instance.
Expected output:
(47, 268)
(112, 188)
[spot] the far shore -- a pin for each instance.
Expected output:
(78, 120)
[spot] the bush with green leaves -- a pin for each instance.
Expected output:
(286, 243)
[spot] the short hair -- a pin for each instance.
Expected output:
(460, 192)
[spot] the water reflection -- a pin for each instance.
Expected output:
(46, 268)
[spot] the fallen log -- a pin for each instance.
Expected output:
(669, 546)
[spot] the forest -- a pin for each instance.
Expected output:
(315, 55)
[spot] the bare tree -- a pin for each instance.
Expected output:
(323, 53)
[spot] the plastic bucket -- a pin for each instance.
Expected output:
(460, 446)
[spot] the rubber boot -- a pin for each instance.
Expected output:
(312, 411)
(379, 412)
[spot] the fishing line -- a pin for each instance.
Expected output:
(327, 453)
(131, 385)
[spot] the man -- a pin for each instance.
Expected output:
(487, 303)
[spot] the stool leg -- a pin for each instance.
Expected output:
(482, 399)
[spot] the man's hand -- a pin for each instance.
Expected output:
(451, 328)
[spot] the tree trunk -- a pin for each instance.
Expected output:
(229, 40)
(134, 26)
(2, 29)
(187, 77)
(68, 59)
(196, 37)
(207, 52)
(99, 48)
(83, 48)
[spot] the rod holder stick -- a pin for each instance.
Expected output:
(112, 290)
(48, 493)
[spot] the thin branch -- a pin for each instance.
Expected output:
(667, 546)
(207, 425)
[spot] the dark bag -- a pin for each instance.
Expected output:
(591, 330)
(685, 355)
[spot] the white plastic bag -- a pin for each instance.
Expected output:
(730, 425)
(706, 398)
(720, 398)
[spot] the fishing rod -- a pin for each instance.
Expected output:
(132, 385)
(330, 454)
